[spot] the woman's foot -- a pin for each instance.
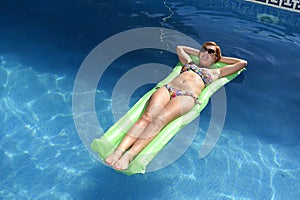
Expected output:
(114, 157)
(123, 163)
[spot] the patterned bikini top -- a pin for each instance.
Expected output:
(202, 72)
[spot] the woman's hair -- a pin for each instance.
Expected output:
(218, 49)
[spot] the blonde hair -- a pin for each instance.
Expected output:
(218, 53)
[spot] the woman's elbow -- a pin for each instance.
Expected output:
(243, 63)
(179, 48)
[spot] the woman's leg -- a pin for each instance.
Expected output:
(156, 103)
(174, 108)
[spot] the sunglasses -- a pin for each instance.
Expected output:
(211, 52)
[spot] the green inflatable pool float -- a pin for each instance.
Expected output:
(113, 136)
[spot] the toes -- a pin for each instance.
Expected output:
(123, 163)
(109, 161)
(113, 158)
(120, 166)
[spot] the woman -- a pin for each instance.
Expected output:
(174, 99)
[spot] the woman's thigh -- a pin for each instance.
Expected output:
(176, 107)
(158, 101)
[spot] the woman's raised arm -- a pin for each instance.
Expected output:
(234, 65)
(183, 53)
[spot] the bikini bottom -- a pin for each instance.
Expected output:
(175, 92)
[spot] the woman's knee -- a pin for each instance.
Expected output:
(153, 128)
(145, 119)
(159, 121)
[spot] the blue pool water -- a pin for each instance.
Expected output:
(42, 45)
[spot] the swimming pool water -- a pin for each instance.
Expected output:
(42, 45)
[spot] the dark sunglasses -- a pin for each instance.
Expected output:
(209, 51)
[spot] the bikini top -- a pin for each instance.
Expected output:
(202, 72)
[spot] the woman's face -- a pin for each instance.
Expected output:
(207, 55)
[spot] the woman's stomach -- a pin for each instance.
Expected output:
(188, 81)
